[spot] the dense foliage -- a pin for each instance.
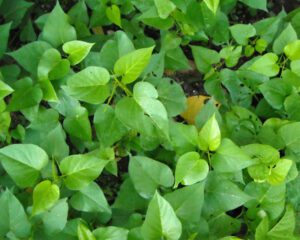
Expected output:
(98, 139)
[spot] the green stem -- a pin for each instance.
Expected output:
(125, 89)
(209, 159)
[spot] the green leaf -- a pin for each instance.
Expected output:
(212, 5)
(114, 15)
(131, 65)
(256, 4)
(28, 56)
(23, 163)
(242, 32)
(55, 219)
(290, 133)
(266, 64)
(284, 229)
(110, 233)
(89, 85)
(109, 129)
(45, 195)
(77, 50)
(161, 221)
(4, 35)
(231, 55)
(147, 174)
(13, 217)
(84, 233)
(57, 29)
(295, 67)
(52, 66)
(210, 135)
(187, 202)
(78, 125)
(292, 50)
(230, 158)
(190, 169)
(288, 35)
(262, 229)
(222, 195)
(146, 95)
(5, 90)
(164, 8)
(90, 199)
(80, 170)
(205, 58)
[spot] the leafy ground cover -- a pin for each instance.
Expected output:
(150, 120)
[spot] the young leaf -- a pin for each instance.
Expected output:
(23, 163)
(77, 50)
(89, 85)
(57, 29)
(190, 169)
(84, 233)
(80, 170)
(280, 171)
(164, 8)
(292, 50)
(210, 135)
(212, 5)
(266, 64)
(45, 195)
(13, 217)
(131, 65)
(147, 174)
(161, 221)
(114, 15)
(4, 90)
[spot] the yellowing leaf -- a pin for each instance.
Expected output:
(194, 105)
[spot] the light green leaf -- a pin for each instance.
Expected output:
(4, 34)
(287, 36)
(23, 163)
(147, 174)
(57, 29)
(84, 233)
(262, 229)
(146, 96)
(280, 171)
(4, 90)
(45, 195)
(90, 199)
(230, 158)
(295, 66)
(164, 8)
(190, 169)
(89, 85)
(266, 64)
(29, 55)
(111, 233)
(80, 170)
(187, 202)
(13, 217)
(242, 32)
(212, 5)
(210, 135)
(292, 50)
(231, 55)
(114, 15)
(131, 65)
(161, 221)
(256, 4)
(77, 50)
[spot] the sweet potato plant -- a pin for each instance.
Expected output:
(103, 138)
